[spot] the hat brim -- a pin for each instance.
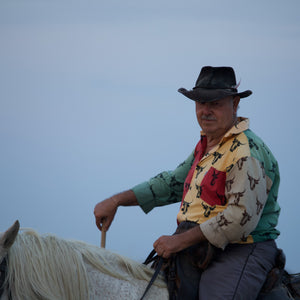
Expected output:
(209, 95)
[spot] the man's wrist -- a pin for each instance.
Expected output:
(126, 198)
(115, 201)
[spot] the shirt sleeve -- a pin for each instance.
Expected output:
(246, 192)
(163, 189)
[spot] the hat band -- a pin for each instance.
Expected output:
(213, 88)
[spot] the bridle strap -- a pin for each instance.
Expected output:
(3, 273)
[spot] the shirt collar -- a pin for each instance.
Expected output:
(241, 125)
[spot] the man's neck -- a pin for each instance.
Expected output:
(212, 142)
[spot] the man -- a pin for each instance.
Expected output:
(228, 185)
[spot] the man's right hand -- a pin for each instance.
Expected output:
(105, 212)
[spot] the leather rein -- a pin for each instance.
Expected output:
(3, 275)
(149, 259)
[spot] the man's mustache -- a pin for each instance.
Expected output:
(208, 118)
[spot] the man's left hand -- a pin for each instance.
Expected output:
(166, 245)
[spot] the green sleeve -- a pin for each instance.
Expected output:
(163, 189)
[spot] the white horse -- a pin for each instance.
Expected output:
(49, 268)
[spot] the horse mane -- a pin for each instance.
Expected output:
(47, 267)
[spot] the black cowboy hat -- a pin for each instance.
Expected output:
(214, 83)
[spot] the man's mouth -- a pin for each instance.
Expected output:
(208, 118)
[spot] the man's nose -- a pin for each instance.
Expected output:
(206, 108)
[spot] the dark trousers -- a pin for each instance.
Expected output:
(238, 272)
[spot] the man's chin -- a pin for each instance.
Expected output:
(208, 128)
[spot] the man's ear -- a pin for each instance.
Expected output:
(236, 101)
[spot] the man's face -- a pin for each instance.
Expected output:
(217, 117)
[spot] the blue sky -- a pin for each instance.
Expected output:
(89, 106)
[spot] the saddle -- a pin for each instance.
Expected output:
(182, 271)
(279, 283)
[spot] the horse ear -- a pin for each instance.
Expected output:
(9, 236)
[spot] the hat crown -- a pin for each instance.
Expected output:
(216, 78)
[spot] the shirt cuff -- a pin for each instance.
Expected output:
(212, 234)
(144, 196)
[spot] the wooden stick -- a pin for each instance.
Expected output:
(103, 238)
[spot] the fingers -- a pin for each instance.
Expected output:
(162, 252)
(161, 247)
(104, 223)
(155, 244)
(104, 213)
(99, 223)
